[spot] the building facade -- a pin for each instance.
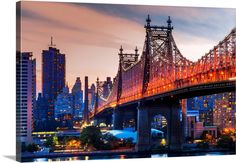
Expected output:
(77, 94)
(91, 97)
(40, 113)
(107, 86)
(25, 95)
(53, 77)
(224, 113)
(63, 104)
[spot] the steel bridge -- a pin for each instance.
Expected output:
(163, 76)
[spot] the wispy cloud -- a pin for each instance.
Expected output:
(91, 34)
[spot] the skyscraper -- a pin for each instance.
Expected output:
(224, 114)
(63, 103)
(91, 97)
(53, 65)
(40, 113)
(107, 86)
(77, 94)
(86, 111)
(25, 95)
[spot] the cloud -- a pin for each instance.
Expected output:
(207, 23)
(90, 35)
(84, 35)
(67, 20)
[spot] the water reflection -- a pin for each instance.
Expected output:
(159, 155)
(86, 157)
(123, 156)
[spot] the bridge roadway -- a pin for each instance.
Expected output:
(183, 93)
(160, 82)
(167, 104)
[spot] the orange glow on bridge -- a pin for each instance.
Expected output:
(171, 72)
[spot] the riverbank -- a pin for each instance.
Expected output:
(192, 152)
(73, 154)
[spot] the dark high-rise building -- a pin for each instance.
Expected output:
(77, 94)
(25, 95)
(224, 112)
(192, 103)
(86, 111)
(40, 113)
(91, 97)
(206, 116)
(107, 86)
(53, 65)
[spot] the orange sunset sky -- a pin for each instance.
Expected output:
(90, 35)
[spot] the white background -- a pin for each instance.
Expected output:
(7, 78)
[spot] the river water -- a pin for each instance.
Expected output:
(122, 156)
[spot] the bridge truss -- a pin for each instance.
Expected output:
(162, 68)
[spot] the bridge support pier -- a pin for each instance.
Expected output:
(174, 134)
(117, 119)
(184, 119)
(107, 119)
(175, 127)
(143, 130)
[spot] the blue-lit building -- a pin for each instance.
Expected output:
(53, 77)
(64, 109)
(192, 103)
(215, 110)
(224, 113)
(91, 97)
(77, 94)
(205, 105)
(40, 113)
(107, 86)
(63, 104)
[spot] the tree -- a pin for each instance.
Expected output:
(91, 136)
(225, 141)
(23, 147)
(128, 142)
(203, 145)
(203, 136)
(32, 147)
(109, 137)
(110, 141)
(189, 139)
(49, 142)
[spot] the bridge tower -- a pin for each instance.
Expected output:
(169, 107)
(117, 114)
(169, 45)
(146, 70)
(119, 90)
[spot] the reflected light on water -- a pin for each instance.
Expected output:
(86, 157)
(122, 156)
(158, 155)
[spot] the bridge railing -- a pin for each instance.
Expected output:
(219, 64)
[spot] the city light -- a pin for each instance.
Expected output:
(158, 100)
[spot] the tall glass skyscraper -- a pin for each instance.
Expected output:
(77, 94)
(25, 95)
(53, 65)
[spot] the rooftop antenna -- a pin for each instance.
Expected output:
(51, 45)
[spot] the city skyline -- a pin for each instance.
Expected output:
(124, 80)
(77, 34)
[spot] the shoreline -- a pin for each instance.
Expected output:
(126, 152)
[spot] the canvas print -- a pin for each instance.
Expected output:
(114, 81)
